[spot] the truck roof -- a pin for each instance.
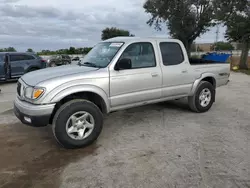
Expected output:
(129, 39)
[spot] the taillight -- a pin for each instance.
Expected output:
(43, 61)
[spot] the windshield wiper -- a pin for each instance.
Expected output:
(89, 64)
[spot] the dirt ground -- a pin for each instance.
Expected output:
(160, 145)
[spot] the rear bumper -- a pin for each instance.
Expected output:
(33, 115)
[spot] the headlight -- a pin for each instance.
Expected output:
(33, 93)
(28, 92)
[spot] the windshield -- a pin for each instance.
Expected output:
(102, 54)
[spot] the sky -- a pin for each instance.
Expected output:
(57, 24)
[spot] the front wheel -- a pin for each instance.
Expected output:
(77, 123)
(203, 98)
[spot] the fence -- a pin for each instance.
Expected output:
(72, 56)
(234, 53)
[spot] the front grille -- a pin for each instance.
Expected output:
(19, 88)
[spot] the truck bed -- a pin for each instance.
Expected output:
(220, 70)
(195, 61)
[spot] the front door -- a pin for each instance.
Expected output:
(140, 83)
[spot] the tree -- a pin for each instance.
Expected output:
(72, 50)
(9, 49)
(30, 50)
(223, 46)
(185, 19)
(114, 32)
(238, 30)
(188, 19)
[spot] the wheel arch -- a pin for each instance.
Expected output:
(93, 94)
(209, 77)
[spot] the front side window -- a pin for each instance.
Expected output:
(101, 54)
(171, 53)
(141, 55)
(2, 58)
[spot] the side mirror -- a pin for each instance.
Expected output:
(123, 64)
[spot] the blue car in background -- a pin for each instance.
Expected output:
(15, 64)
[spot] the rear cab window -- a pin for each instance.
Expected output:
(171, 53)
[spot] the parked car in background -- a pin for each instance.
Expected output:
(118, 73)
(18, 64)
(57, 60)
(76, 59)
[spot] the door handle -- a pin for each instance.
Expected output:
(154, 74)
(184, 71)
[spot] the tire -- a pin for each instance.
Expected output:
(61, 119)
(194, 101)
(52, 64)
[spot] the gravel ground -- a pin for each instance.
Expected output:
(160, 145)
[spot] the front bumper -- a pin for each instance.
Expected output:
(31, 114)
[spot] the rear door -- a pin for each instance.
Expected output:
(15, 65)
(19, 63)
(2, 72)
(177, 75)
(140, 83)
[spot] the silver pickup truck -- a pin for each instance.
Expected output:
(116, 74)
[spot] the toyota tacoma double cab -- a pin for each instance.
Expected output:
(118, 73)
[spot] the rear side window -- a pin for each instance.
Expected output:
(21, 57)
(171, 53)
(28, 57)
(65, 57)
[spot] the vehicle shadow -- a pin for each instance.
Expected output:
(180, 105)
(32, 157)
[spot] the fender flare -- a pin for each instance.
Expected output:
(197, 82)
(81, 88)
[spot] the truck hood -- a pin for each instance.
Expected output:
(33, 78)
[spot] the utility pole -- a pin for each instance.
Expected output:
(217, 35)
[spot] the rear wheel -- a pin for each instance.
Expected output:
(77, 123)
(52, 64)
(203, 98)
